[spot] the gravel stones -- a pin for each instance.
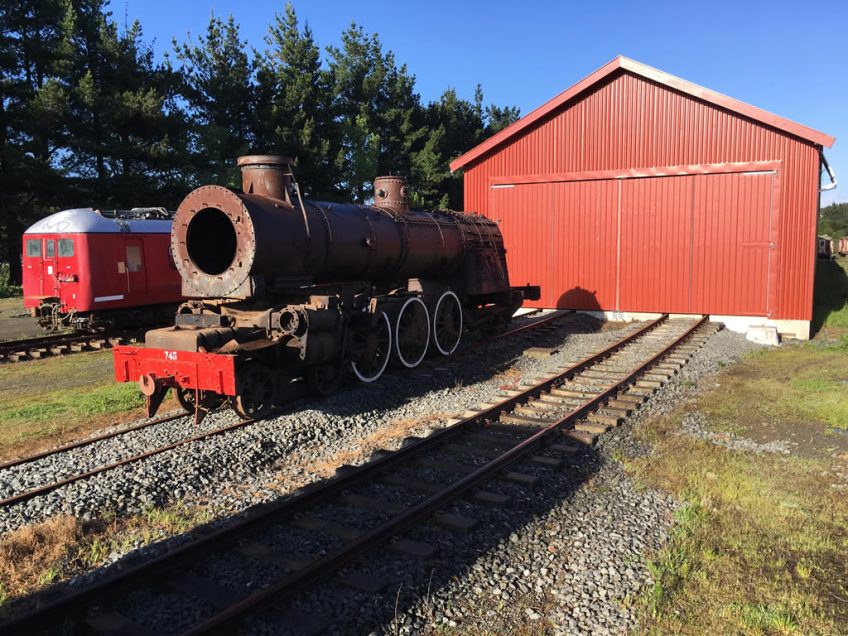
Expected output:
(697, 425)
(568, 556)
(231, 471)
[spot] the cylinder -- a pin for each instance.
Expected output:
(229, 244)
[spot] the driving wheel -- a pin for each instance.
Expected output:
(324, 378)
(412, 332)
(371, 349)
(256, 391)
(447, 323)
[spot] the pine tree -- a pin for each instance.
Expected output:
(31, 115)
(375, 101)
(120, 141)
(218, 87)
(293, 103)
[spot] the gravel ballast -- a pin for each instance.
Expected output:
(567, 556)
(231, 471)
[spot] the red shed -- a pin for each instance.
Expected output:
(637, 192)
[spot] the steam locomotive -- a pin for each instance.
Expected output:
(284, 289)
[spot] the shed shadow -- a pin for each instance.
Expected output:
(830, 295)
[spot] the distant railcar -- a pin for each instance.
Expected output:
(91, 270)
(824, 247)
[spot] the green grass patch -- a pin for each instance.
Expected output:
(77, 405)
(803, 384)
(761, 543)
(45, 401)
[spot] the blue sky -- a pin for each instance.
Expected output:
(790, 58)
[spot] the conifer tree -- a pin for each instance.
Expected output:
(218, 87)
(293, 103)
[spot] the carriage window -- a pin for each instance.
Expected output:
(133, 258)
(33, 247)
(66, 247)
(50, 249)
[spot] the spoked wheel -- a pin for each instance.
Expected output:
(324, 378)
(372, 349)
(208, 400)
(447, 323)
(257, 390)
(412, 332)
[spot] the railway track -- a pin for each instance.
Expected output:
(546, 324)
(542, 424)
(59, 345)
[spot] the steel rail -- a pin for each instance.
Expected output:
(530, 326)
(326, 566)
(88, 440)
(25, 346)
(262, 515)
(41, 490)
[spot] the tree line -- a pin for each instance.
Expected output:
(89, 116)
(834, 220)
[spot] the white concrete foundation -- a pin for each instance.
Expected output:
(798, 329)
(763, 335)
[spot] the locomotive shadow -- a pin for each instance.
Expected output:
(457, 553)
(579, 299)
(478, 361)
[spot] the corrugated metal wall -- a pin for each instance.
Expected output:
(629, 122)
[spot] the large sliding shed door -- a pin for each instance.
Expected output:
(734, 235)
(656, 233)
(690, 243)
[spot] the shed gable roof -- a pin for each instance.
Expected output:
(622, 63)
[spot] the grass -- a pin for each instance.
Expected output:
(36, 556)
(45, 402)
(760, 545)
(799, 385)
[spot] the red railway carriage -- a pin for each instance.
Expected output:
(86, 270)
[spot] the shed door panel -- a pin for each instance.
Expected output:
(656, 232)
(583, 256)
(521, 214)
(561, 236)
(730, 248)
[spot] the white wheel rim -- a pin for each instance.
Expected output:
(363, 378)
(414, 363)
(442, 350)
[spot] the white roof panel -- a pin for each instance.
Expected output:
(89, 221)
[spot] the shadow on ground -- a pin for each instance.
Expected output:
(418, 579)
(830, 295)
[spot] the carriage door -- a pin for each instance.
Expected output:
(50, 269)
(136, 279)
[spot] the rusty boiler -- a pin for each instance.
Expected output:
(245, 244)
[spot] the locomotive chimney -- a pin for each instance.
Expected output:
(266, 175)
(390, 194)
